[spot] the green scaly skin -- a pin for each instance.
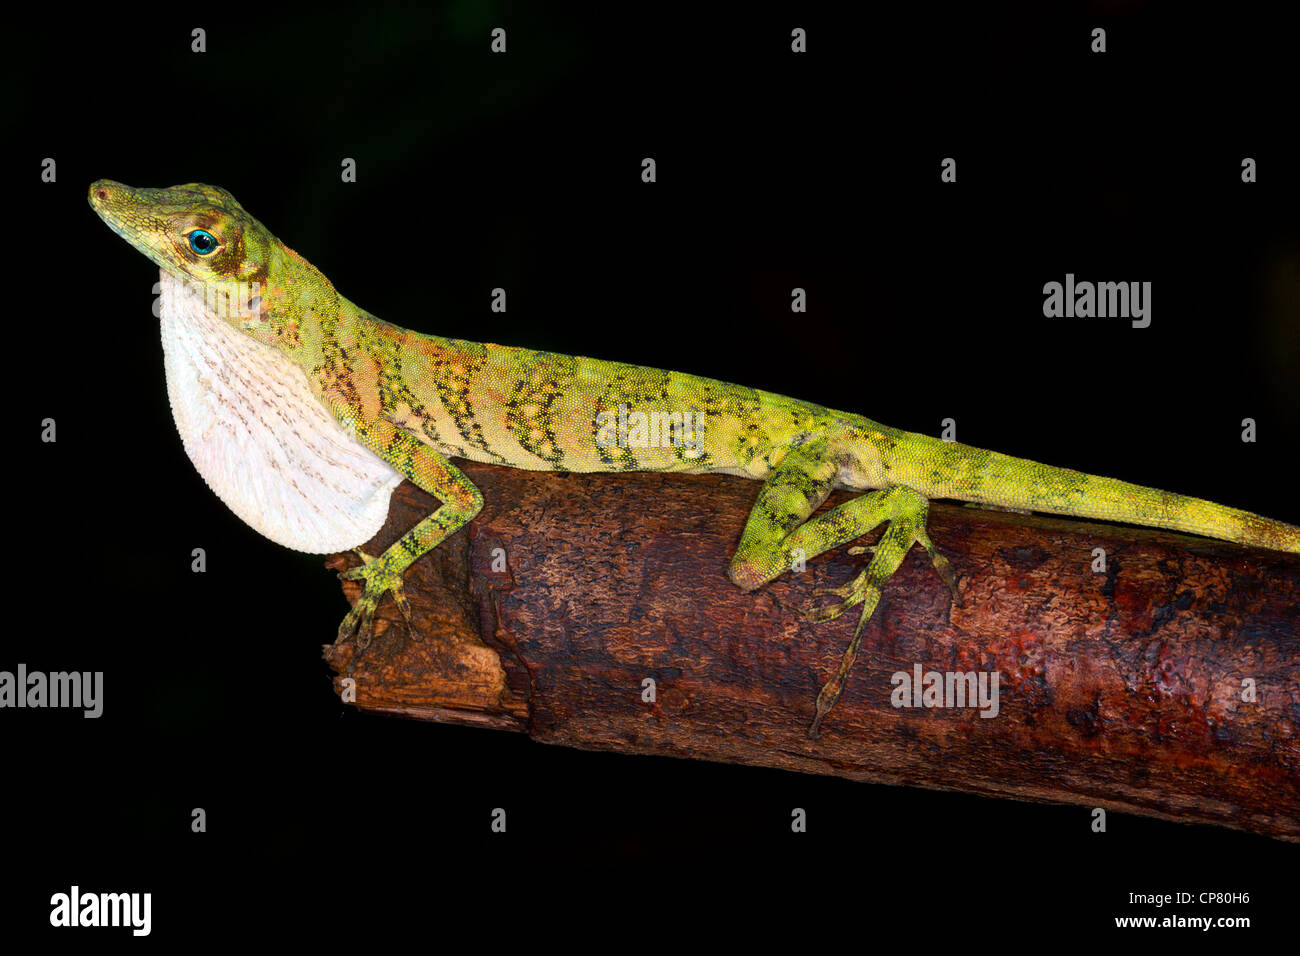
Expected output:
(417, 400)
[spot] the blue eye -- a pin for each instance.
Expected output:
(202, 242)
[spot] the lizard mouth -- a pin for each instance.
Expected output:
(113, 203)
(125, 211)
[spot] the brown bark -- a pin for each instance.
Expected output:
(1120, 689)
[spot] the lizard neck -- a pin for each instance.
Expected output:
(333, 341)
(301, 309)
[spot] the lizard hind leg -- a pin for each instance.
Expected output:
(906, 511)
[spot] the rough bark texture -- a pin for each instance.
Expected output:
(1121, 689)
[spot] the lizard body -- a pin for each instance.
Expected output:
(402, 403)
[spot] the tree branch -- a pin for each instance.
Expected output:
(1121, 689)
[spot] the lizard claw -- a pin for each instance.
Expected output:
(941, 566)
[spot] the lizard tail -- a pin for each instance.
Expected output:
(950, 470)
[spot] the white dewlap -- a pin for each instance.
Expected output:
(260, 439)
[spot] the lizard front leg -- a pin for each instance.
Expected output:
(774, 534)
(792, 491)
(461, 501)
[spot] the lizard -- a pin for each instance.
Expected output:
(303, 411)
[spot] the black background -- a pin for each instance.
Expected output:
(523, 171)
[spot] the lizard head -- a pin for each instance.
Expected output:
(193, 232)
(202, 237)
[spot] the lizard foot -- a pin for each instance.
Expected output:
(865, 589)
(853, 594)
(379, 576)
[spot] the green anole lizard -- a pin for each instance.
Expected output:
(303, 411)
